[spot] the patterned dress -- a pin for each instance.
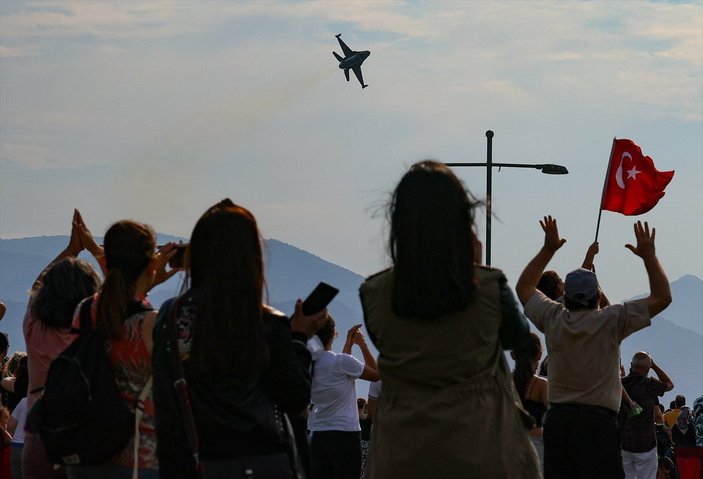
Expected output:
(132, 368)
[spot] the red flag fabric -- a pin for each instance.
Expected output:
(633, 185)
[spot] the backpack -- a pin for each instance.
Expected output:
(81, 417)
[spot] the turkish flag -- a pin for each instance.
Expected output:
(633, 185)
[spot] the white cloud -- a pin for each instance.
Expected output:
(186, 102)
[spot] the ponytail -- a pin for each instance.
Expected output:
(112, 305)
(129, 248)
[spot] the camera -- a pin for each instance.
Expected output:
(176, 260)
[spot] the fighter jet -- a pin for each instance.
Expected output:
(351, 60)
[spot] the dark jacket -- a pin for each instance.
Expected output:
(227, 408)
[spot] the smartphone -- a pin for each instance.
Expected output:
(320, 297)
(176, 260)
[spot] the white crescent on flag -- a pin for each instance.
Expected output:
(618, 173)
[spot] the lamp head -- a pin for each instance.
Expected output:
(554, 170)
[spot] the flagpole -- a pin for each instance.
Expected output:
(605, 185)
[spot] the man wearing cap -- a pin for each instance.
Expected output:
(581, 437)
(638, 434)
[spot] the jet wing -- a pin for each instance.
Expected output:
(359, 76)
(347, 51)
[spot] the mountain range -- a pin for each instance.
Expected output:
(675, 339)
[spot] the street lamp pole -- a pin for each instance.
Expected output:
(547, 168)
(489, 192)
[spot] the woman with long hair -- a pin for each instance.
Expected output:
(240, 358)
(63, 283)
(121, 313)
(448, 408)
(531, 388)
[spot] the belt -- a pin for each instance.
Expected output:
(585, 408)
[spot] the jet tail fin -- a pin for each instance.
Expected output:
(340, 59)
(363, 86)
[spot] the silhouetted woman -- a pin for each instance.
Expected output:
(64, 282)
(448, 408)
(121, 312)
(237, 355)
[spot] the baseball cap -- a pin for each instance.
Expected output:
(581, 286)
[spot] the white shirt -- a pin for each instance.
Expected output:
(375, 390)
(584, 348)
(333, 392)
(20, 415)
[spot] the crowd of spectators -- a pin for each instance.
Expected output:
(449, 405)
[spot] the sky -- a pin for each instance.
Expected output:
(156, 110)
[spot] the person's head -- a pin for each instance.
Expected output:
(526, 355)
(326, 333)
(581, 290)
(641, 363)
(361, 407)
(672, 405)
(529, 349)
(129, 249)
(680, 401)
(64, 285)
(14, 363)
(551, 285)
(226, 275)
(431, 242)
(684, 418)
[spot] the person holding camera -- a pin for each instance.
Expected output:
(335, 445)
(120, 311)
(242, 361)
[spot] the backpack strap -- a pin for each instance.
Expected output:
(180, 386)
(85, 312)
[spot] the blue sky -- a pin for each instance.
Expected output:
(155, 110)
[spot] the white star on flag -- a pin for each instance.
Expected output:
(632, 173)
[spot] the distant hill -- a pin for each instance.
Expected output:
(686, 307)
(291, 273)
(675, 338)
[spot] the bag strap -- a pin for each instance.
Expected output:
(85, 318)
(138, 414)
(180, 386)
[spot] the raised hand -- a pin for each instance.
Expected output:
(359, 339)
(308, 325)
(645, 240)
(552, 241)
(165, 253)
(75, 246)
(86, 237)
(591, 253)
(352, 333)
